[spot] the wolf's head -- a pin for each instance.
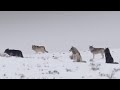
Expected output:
(71, 49)
(107, 50)
(33, 47)
(74, 50)
(6, 51)
(91, 48)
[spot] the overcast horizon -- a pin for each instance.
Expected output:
(59, 30)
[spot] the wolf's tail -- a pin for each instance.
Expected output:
(46, 51)
(115, 63)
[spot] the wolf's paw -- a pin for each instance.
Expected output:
(91, 60)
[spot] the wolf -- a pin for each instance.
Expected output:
(13, 52)
(96, 51)
(108, 57)
(39, 49)
(75, 55)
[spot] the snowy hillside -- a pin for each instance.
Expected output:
(59, 66)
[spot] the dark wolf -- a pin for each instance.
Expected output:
(108, 57)
(13, 52)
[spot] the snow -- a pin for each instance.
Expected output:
(58, 31)
(59, 66)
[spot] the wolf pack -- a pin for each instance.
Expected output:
(76, 55)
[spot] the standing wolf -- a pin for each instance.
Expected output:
(96, 51)
(39, 49)
(75, 55)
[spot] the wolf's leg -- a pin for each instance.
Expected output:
(102, 55)
(93, 56)
(75, 58)
(78, 57)
(71, 57)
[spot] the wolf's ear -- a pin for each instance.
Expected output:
(90, 46)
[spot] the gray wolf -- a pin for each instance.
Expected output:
(16, 53)
(96, 51)
(39, 49)
(108, 57)
(75, 55)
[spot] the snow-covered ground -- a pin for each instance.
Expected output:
(59, 66)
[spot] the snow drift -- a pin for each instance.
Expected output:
(59, 66)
